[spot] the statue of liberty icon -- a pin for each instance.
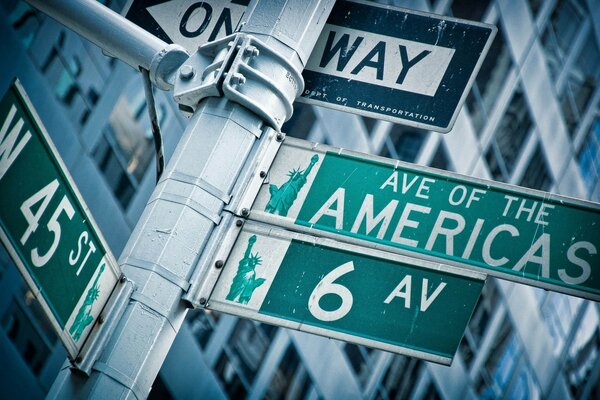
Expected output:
(245, 281)
(283, 197)
(84, 315)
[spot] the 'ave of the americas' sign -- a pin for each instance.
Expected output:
(379, 61)
(47, 228)
(518, 234)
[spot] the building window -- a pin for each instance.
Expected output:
(290, 381)
(400, 379)
(558, 312)
(524, 384)
(489, 82)
(301, 122)
(242, 357)
(25, 20)
(494, 378)
(537, 175)
(480, 320)
(584, 357)
(360, 358)
(202, 324)
(28, 328)
(125, 150)
(510, 135)
(565, 21)
(404, 143)
(369, 124)
(440, 159)
(230, 377)
(467, 9)
(589, 161)
(581, 83)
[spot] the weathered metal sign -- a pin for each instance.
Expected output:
(379, 61)
(518, 234)
(46, 227)
(365, 296)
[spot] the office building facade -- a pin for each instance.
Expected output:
(531, 119)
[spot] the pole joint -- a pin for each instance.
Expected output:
(245, 70)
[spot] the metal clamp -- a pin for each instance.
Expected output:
(246, 71)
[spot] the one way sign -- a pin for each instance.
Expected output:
(379, 61)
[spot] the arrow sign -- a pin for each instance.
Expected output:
(379, 61)
(518, 234)
(46, 226)
(364, 296)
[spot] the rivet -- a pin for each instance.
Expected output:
(202, 301)
(263, 174)
(219, 264)
(100, 319)
(279, 137)
(245, 212)
(239, 223)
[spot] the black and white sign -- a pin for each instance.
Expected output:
(379, 61)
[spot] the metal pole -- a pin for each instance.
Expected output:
(187, 205)
(116, 36)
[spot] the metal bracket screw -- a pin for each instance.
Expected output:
(122, 278)
(251, 51)
(237, 79)
(239, 223)
(219, 264)
(245, 212)
(186, 72)
(202, 301)
(262, 174)
(279, 137)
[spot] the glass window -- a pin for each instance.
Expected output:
(242, 356)
(301, 122)
(584, 355)
(499, 367)
(404, 143)
(489, 82)
(482, 315)
(25, 20)
(440, 158)
(290, 381)
(589, 161)
(525, 386)
(202, 324)
(230, 377)
(28, 328)
(126, 148)
(582, 81)
(360, 360)
(369, 124)
(467, 9)
(558, 312)
(510, 135)
(565, 21)
(537, 175)
(399, 379)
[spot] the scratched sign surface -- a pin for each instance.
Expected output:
(515, 233)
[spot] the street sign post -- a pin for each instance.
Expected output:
(518, 234)
(379, 61)
(47, 228)
(352, 293)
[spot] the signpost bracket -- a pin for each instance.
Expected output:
(243, 195)
(104, 327)
(235, 73)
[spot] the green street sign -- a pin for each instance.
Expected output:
(370, 297)
(46, 227)
(523, 235)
